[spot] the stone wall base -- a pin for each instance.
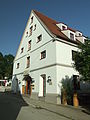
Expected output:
(50, 98)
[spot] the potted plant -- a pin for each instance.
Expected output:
(67, 90)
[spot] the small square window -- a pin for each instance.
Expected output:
(39, 38)
(34, 27)
(17, 65)
(31, 28)
(29, 45)
(28, 62)
(71, 36)
(26, 33)
(63, 28)
(73, 54)
(43, 54)
(31, 19)
(80, 34)
(22, 49)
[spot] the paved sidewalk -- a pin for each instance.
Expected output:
(66, 111)
(2, 88)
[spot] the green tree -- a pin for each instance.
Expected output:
(1, 65)
(6, 65)
(82, 60)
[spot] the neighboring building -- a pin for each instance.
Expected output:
(45, 57)
(3, 82)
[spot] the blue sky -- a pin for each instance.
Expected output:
(15, 13)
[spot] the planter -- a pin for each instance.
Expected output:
(75, 100)
(64, 98)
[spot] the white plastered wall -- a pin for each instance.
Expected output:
(64, 62)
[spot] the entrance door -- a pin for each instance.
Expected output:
(28, 87)
(42, 86)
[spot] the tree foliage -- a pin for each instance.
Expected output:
(82, 60)
(6, 65)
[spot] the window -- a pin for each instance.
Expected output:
(18, 65)
(29, 45)
(73, 54)
(35, 27)
(22, 49)
(31, 30)
(63, 28)
(28, 62)
(31, 19)
(26, 34)
(39, 38)
(43, 54)
(71, 36)
(80, 34)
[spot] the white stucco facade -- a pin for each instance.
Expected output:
(56, 64)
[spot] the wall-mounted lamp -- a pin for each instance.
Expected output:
(49, 79)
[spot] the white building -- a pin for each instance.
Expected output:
(44, 57)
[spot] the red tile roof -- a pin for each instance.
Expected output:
(52, 27)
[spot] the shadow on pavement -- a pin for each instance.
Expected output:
(84, 99)
(86, 109)
(10, 105)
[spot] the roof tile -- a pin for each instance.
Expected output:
(52, 27)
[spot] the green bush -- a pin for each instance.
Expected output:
(68, 87)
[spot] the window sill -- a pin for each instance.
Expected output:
(28, 50)
(42, 58)
(27, 67)
(38, 41)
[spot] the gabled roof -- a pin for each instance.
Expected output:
(52, 27)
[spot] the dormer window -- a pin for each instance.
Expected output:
(73, 54)
(80, 34)
(22, 49)
(71, 36)
(31, 19)
(63, 28)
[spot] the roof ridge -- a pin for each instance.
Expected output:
(45, 16)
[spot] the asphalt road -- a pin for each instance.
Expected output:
(13, 107)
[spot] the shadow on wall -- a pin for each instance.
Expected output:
(15, 86)
(71, 85)
(10, 105)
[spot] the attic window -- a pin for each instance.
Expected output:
(43, 54)
(26, 34)
(31, 19)
(22, 49)
(71, 36)
(31, 30)
(39, 38)
(35, 27)
(29, 45)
